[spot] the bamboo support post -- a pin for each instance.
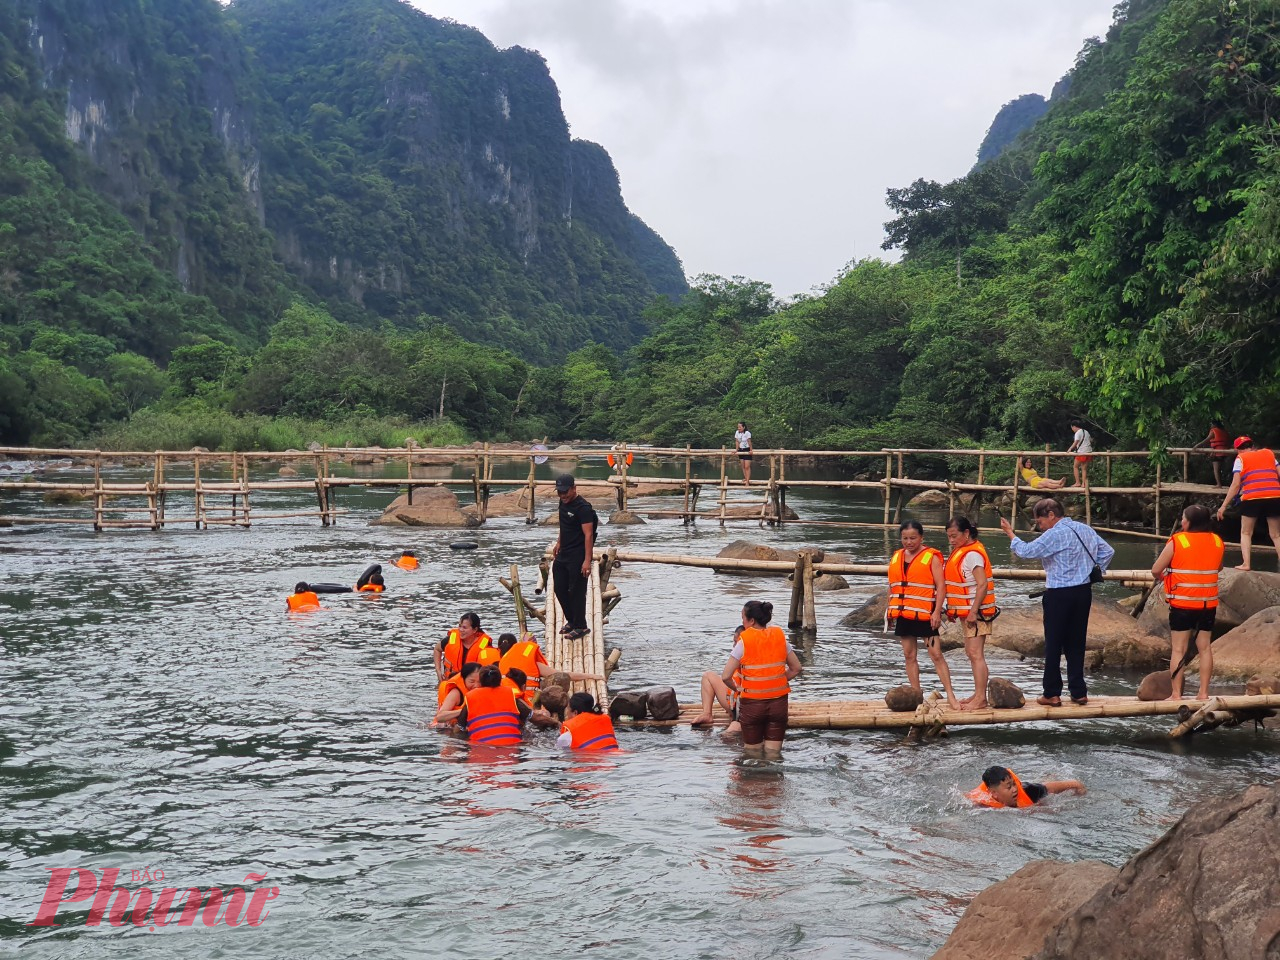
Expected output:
(531, 517)
(97, 492)
(797, 594)
(888, 484)
(982, 466)
(611, 661)
(1157, 505)
(521, 618)
(1189, 725)
(1088, 498)
(809, 623)
(688, 475)
(199, 493)
(1013, 510)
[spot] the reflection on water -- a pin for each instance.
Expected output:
(160, 709)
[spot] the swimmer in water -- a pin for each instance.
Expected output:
(304, 599)
(408, 560)
(1001, 787)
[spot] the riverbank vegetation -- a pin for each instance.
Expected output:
(1119, 261)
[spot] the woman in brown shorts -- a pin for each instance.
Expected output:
(766, 664)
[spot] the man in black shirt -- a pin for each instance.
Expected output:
(572, 566)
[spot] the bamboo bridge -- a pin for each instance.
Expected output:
(217, 488)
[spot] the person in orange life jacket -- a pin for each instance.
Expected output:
(303, 600)
(452, 693)
(586, 727)
(714, 689)
(1189, 565)
(1220, 443)
(492, 713)
(760, 668)
(917, 593)
(1001, 787)
(516, 681)
(466, 643)
(525, 655)
(374, 585)
(971, 599)
(1256, 478)
(408, 560)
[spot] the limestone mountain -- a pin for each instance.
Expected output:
(174, 168)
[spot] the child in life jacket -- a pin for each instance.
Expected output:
(1001, 787)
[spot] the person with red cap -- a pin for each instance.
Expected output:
(1256, 478)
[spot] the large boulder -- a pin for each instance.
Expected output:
(1156, 686)
(625, 518)
(904, 698)
(870, 614)
(431, 507)
(747, 550)
(1253, 647)
(1010, 919)
(1207, 888)
(929, 499)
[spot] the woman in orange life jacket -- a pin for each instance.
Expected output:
(452, 693)
(1001, 787)
(466, 643)
(1189, 565)
(408, 560)
(303, 600)
(714, 689)
(585, 727)
(917, 593)
(492, 713)
(767, 664)
(1256, 478)
(971, 599)
(373, 586)
(1219, 442)
(524, 655)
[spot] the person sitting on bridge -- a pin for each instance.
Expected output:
(1001, 787)
(304, 599)
(1037, 482)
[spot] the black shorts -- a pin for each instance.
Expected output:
(762, 719)
(744, 456)
(920, 629)
(1260, 509)
(1201, 618)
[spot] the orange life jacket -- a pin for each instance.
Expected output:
(1258, 478)
(981, 795)
(406, 563)
(1192, 580)
(453, 683)
(591, 731)
(960, 590)
(483, 651)
(492, 716)
(306, 602)
(515, 688)
(372, 588)
(1218, 439)
(764, 663)
(525, 655)
(911, 590)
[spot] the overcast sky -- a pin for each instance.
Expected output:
(758, 137)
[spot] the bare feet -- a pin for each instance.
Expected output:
(703, 721)
(976, 705)
(953, 703)
(1243, 566)
(1175, 697)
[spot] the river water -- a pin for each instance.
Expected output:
(160, 711)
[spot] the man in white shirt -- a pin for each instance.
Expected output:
(1082, 444)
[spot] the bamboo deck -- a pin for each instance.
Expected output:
(586, 654)
(875, 715)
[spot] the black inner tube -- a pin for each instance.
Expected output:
(463, 545)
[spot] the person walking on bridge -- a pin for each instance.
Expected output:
(1070, 552)
(1257, 479)
(572, 550)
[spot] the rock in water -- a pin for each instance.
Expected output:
(1004, 694)
(904, 699)
(1253, 647)
(431, 507)
(625, 518)
(829, 581)
(869, 614)
(1206, 888)
(1260, 685)
(1010, 919)
(630, 703)
(1156, 686)
(663, 704)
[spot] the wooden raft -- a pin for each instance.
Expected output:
(586, 654)
(874, 714)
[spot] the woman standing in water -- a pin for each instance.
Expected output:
(742, 443)
(916, 596)
(767, 664)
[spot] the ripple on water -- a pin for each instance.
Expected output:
(161, 709)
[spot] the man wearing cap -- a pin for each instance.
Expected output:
(572, 551)
(1256, 478)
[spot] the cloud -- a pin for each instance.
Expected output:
(759, 136)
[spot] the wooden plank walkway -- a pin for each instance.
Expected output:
(874, 714)
(584, 655)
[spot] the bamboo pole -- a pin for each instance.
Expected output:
(797, 594)
(1013, 510)
(688, 475)
(1157, 510)
(888, 485)
(97, 493)
(1189, 725)
(810, 620)
(521, 618)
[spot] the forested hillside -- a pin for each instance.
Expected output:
(177, 174)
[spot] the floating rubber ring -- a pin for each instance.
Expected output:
(609, 458)
(463, 545)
